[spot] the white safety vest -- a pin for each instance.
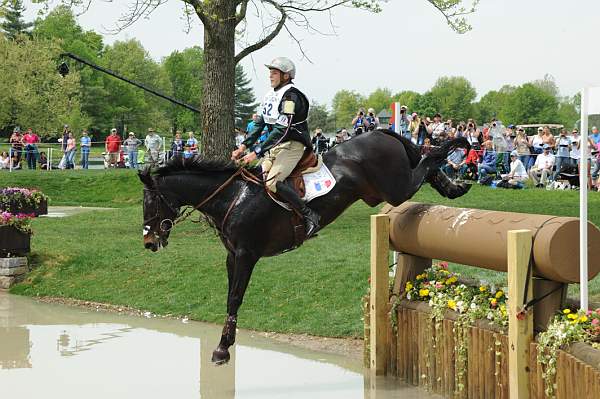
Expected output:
(270, 106)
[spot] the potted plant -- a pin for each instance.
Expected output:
(23, 200)
(15, 233)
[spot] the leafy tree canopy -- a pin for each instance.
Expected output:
(13, 23)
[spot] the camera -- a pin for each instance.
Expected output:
(370, 114)
(402, 111)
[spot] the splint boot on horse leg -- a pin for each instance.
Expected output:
(283, 159)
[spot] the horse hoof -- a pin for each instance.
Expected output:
(220, 356)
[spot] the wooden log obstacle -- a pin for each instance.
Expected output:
(498, 365)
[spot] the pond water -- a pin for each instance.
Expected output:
(56, 351)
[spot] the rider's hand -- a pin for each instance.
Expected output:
(249, 157)
(238, 153)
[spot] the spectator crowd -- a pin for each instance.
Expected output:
(502, 156)
(130, 152)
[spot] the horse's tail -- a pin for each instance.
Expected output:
(438, 179)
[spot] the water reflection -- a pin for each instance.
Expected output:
(57, 351)
(14, 348)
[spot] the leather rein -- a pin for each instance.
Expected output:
(182, 216)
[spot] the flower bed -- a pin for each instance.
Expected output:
(22, 200)
(451, 338)
(15, 233)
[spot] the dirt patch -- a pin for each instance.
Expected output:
(350, 347)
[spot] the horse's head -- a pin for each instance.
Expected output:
(159, 213)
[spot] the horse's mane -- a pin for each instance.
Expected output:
(196, 164)
(413, 151)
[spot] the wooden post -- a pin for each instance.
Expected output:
(407, 269)
(520, 332)
(380, 236)
(544, 310)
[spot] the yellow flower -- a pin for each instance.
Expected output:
(503, 309)
(483, 288)
(409, 286)
(583, 318)
(451, 280)
(499, 294)
(567, 311)
(572, 316)
(452, 304)
(421, 276)
(423, 292)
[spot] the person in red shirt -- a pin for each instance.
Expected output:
(30, 139)
(471, 162)
(113, 147)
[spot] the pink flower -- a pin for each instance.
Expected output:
(595, 322)
(444, 265)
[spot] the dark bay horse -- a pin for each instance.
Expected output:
(374, 167)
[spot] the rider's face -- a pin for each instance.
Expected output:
(275, 77)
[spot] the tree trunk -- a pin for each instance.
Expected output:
(218, 99)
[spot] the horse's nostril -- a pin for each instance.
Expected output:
(148, 245)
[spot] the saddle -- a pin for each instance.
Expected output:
(308, 161)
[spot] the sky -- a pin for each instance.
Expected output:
(407, 46)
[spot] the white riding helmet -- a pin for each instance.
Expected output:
(284, 65)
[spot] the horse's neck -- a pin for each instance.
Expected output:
(194, 190)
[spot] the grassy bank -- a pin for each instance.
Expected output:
(316, 289)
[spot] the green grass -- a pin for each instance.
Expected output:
(99, 256)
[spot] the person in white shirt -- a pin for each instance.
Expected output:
(518, 173)
(543, 167)
(436, 129)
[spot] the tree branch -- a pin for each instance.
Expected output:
(454, 16)
(200, 10)
(267, 39)
(241, 15)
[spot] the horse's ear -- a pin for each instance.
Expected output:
(146, 178)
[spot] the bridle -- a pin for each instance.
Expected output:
(164, 200)
(181, 216)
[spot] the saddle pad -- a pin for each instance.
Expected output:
(318, 183)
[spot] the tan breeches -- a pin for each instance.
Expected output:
(281, 161)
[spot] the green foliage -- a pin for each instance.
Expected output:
(318, 117)
(61, 25)
(379, 100)
(407, 97)
(345, 105)
(530, 104)
(40, 98)
(126, 104)
(245, 102)
(453, 97)
(13, 24)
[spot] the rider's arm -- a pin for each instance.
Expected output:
(278, 131)
(255, 133)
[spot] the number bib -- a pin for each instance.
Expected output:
(270, 106)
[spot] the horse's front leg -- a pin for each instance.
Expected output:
(239, 270)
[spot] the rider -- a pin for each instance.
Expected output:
(287, 138)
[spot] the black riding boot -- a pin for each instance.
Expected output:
(311, 218)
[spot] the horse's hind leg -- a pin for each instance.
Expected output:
(239, 270)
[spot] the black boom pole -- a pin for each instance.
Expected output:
(64, 70)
